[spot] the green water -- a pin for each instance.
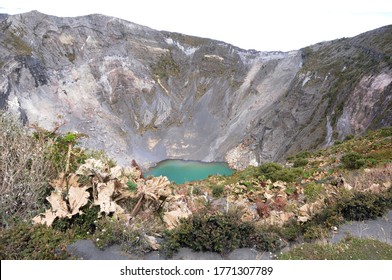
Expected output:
(181, 171)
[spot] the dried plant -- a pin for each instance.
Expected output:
(24, 171)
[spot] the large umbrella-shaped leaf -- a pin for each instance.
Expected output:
(59, 206)
(77, 198)
(46, 218)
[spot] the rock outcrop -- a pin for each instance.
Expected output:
(150, 95)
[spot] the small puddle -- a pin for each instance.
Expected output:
(181, 171)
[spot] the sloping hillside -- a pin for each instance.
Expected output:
(150, 95)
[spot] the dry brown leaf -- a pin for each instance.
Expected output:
(172, 218)
(150, 196)
(119, 212)
(158, 185)
(274, 218)
(303, 219)
(307, 210)
(279, 184)
(45, 218)
(131, 171)
(154, 188)
(124, 195)
(304, 213)
(73, 180)
(285, 216)
(262, 209)
(91, 166)
(347, 186)
(116, 172)
(152, 242)
(77, 198)
(104, 200)
(268, 195)
(128, 171)
(60, 184)
(59, 206)
(176, 209)
(317, 206)
(387, 184)
(121, 190)
(279, 203)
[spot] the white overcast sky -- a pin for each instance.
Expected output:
(250, 24)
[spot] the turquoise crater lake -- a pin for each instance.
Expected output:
(181, 171)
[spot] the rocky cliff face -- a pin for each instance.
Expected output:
(150, 95)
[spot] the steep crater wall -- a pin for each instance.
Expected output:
(149, 95)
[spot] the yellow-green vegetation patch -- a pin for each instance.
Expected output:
(15, 42)
(375, 144)
(200, 91)
(190, 40)
(165, 67)
(347, 249)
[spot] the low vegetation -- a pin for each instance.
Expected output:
(26, 242)
(74, 193)
(25, 171)
(347, 249)
(136, 240)
(353, 160)
(219, 232)
(365, 206)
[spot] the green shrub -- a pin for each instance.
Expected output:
(290, 190)
(386, 131)
(275, 172)
(364, 206)
(349, 137)
(353, 160)
(197, 190)
(290, 158)
(388, 198)
(131, 186)
(62, 145)
(265, 240)
(381, 155)
(329, 216)
(320, 225)
(217, 191)
(312, 191)
(303, 154)
(290, 231)
(286, 175)
(315, 232)
(220, 233)
(26, 242)
(269, 167)
(81, 225)
(371, 162)
(246, 184)
(299, 162)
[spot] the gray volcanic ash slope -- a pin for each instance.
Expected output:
(151, 95)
